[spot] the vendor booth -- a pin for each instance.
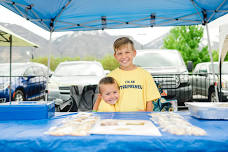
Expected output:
(59, 132)
(80, 15)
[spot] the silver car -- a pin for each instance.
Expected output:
(73, 73)
(203, 82)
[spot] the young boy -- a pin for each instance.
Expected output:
(137, 87)
(109, 92)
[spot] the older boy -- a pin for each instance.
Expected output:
(137, 87)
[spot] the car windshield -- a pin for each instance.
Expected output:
(216, 67)
(16, 70)
(79, 69)
(157, 59)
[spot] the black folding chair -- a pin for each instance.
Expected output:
(83, 99)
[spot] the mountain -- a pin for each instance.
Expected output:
(156, 43)
(92, 43)
(23, 54)
(77, 44)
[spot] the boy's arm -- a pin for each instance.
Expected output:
(96, 104)
(149, 106)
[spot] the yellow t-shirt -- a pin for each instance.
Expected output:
(136, 88)
(105, 107)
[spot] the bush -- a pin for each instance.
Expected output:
(108, 62)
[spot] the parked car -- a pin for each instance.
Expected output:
(203, 83)
(169, 70)
(28, 81)
(85, 75)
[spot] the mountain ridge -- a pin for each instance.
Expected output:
(74, 44)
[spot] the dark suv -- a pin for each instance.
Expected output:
(169, 70)
(28, 81)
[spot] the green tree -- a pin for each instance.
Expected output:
(109, 62)
(44, 60)
(89, 58)
(226, 58)
(215, 55)
(54, 62)
(186, 40)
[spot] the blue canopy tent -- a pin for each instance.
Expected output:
(85, 15)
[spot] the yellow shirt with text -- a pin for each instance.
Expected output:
(136, 88)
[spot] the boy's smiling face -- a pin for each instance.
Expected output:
(125, 55)
(110, 93)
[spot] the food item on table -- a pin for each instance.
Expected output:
(122, 129)
(125, 127)
(175, 124)
(109, 122)
(135, 123)
(76, 125)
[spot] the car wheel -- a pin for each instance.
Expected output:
(19, 96)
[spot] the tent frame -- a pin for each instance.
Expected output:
(202, 13)
(105, 23)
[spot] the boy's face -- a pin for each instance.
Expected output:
(125, 55)
(110, 93)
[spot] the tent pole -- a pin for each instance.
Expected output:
(49, 61)
(212, 63)
(10, 68)
(220, 80)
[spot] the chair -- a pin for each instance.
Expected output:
(83, 97)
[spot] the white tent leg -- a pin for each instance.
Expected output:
(212, 63)
(10, 93)
(49, 60)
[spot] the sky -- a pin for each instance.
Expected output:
(142, 35)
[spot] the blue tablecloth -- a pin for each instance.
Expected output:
(29, 136)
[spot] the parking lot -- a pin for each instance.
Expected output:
(170, 90)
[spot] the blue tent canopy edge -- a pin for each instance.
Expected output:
(85, 15)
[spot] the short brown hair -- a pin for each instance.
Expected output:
(107, 80)
(122, 41)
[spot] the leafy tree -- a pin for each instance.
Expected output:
(109, 62)
(89, 58)
(54, 62)
(186, 40)
(215, 55)
(44, 60)
(226, 58)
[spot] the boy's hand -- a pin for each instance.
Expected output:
(96, 105)
(149, 106)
